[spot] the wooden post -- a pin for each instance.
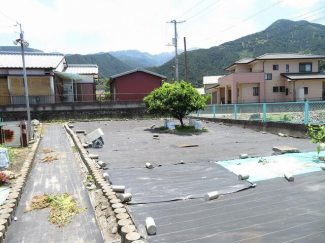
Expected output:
(185, 55)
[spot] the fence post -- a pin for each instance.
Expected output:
(235, 111)
(264, 111)
(306, 112)
(214, 111)
(198, 113)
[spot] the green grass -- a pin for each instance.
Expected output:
(185, 129)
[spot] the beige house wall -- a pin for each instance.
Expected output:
(257, 67)
(247, 93)
(242, 68)
(315, 88)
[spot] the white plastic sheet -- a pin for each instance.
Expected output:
(4, 158)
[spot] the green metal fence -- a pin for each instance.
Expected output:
(295, 112)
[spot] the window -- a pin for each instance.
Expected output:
(305, 90)
(255, 91)
(287, 91)
(275, 89)
(305, 67)
(268, 76)
(275, 67)
(287, 68)
(282, 88)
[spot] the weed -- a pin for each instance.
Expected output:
(90, 178)
(63, 207)
(47, 151)
(48, 159)
(74, 149)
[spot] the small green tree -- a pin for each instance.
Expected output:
(177, 100)
(317, 135)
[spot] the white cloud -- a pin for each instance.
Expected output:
(89, 26)
(299, 4)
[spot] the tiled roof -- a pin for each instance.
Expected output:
(298, 76)
(137, 70)
(82, 68)
(244, 60)
(277, 56)
(10, 59)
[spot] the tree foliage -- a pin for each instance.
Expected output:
(177, 100)
(317, 135)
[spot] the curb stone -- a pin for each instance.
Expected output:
(11, 203)
(100, 181)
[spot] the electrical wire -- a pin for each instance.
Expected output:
(8, 17)
(189, 9)
(204, 10)
(249, 17)
(186, 26)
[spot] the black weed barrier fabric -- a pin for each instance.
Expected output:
(176, 182)
(274, 211)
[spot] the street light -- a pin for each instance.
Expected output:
(23, 44)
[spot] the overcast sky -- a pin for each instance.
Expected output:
(91, 26)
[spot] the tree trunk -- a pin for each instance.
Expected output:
(181, 120)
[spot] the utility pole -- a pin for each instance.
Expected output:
(175, 45)
(185, 55)
(23, 44)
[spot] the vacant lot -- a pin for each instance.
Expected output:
(131, 143)
(172, 192)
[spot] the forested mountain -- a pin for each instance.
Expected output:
(283, 36)
(108, 65)
(17, 48)
(136, 58)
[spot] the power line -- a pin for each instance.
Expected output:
(249, 17)
(185, 27)
(203, 10)
(8, 17)
(189, 9)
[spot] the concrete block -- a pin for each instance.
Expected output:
(118, 188)
(132, 236)
(243, 176)
(126, 197)
(149, 166)
(122, 216)
(151, 226)
(289, 177)
(125, 230)
(122, 223)
(80, 131)
(101, 163)
(93, 156)
(119, 210)
(211, 196)
(285, 149)
(94, 135)
(113, 201)
(117, 205)
(243, 156)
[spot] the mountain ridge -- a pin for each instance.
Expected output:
(282, 36)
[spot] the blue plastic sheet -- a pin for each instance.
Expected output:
(263, 168)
